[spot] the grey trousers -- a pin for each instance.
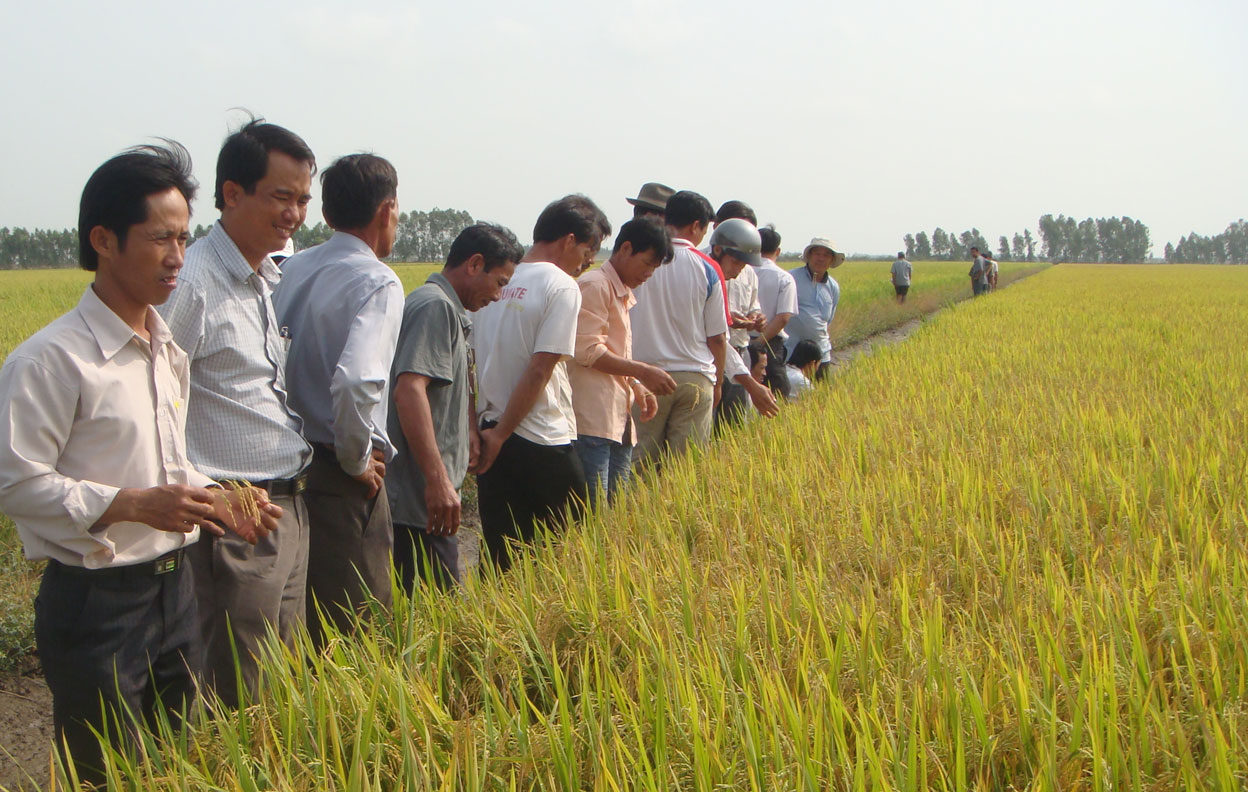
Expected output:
(117, 645)
(351, 539)
(243, 590)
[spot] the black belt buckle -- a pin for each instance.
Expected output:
(167, 564)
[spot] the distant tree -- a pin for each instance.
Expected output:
(1169, 253)
(909, 240)
(1003, 249)
(1030, 243)
(922, 246)
(1051, 236)
(957, 248)
(940, 244)
(1020, 247)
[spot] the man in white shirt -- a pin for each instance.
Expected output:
(94, 472)
(340, 308)
(240, 426)
(680, 324)
(777, 297)
(744, 313)
(528, 470)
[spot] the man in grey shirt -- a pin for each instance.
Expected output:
(432, 418)
(238, 423)
(901, 276)
(978, 273)
(340, 308)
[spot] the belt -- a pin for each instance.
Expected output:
(283, 488)
(169, 562)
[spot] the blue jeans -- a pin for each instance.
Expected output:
(606, 464)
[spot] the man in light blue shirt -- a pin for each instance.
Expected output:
(239, 425)
(817, 296)
(340, 308)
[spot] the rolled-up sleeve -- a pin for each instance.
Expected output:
(36, 414)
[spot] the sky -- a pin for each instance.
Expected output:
(860, 122)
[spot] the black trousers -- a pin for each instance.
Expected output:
(118, 646)
(425, 557)
(350, 540)
(527, 484)
(776, 378)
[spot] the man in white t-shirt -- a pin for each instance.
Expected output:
(777, 296)
(528, 470)
(680, 324)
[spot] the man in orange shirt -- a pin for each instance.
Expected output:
(605, 379)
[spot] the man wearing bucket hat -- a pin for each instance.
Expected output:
(651, 200)
(817, 296)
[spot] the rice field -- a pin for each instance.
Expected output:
(1006, 554)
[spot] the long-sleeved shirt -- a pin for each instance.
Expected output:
(88, 407)
(340, 308)
(743, 298)
(221, 313)
(816, 306)
(601, 400)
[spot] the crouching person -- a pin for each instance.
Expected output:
(94, 472)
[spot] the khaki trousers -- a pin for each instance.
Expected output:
(683, 419)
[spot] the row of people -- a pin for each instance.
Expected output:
(209, 447)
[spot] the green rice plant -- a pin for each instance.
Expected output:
(1007, 554)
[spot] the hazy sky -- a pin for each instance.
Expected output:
(859, 121)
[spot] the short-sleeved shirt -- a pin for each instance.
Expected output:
(433, 342)
(777, 293)
(816, 306)
(536, 313)
(678, 308)
(901, 272)
(979, 271)
(601, 400)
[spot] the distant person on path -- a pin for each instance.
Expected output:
(339, 307)
(605, 379)
(94, 472)
(240, 425)
(992, 272)
(680, 325)
(777, 297)
(901, 277)
(432, 420)
(801, 368)
(978, 273)
(528, 469)
(651, 200)
(818, 294)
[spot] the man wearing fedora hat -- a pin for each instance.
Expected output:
(817, 296)
(651, 200)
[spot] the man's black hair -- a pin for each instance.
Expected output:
(496, 244)
(686, 208)
(771, 239)
(756, 350)
(644, 234)
(572, 214)
(354, 187)
(115, 196)
(736, 210)
(244, 157)
(804, 353)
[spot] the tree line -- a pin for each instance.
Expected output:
(421, 236)
(945, 245)
(1229, 247)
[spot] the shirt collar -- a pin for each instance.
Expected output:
(618, 288)
(439, 280)
(236, 265)
(110, 332)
